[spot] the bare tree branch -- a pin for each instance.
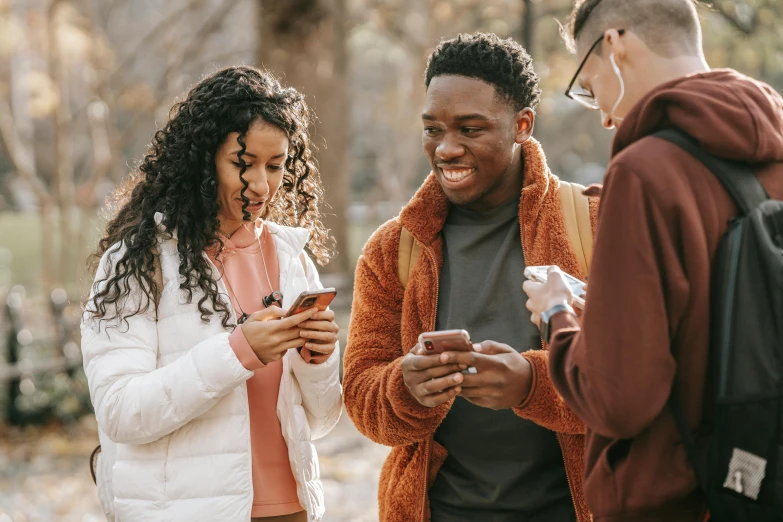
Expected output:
(731, 17)
(163, 26)
(102, 153)
(153, 34)
(211, 26)
(63, 173)
(226, 54)
(195, 46)
(109, 11)
(20, 158)
(529, 21)
(394, 29)
(552, 11)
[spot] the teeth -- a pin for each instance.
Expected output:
(455, 175)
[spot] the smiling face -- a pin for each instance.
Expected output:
(265, 156)
(471, 137)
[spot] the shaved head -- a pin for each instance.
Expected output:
(670, 28)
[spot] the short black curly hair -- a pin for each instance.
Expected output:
(485, 56)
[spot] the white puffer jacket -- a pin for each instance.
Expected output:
(171, 403)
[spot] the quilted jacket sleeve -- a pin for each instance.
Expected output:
(322, 394)
(135, 401)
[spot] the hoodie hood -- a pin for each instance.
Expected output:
(731, 115)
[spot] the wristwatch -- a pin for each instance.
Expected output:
(543, 324)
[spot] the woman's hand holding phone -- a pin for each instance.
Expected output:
(270, 333)
(312, 298)
(320, 332)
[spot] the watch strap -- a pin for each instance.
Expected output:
(546, 317)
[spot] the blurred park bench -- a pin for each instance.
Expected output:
(41, 375)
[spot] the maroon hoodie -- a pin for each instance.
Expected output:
(646, 321)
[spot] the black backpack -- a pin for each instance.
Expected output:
(740, 464)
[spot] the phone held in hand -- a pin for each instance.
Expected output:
(539, 274)
(447, 341)
(313, 298)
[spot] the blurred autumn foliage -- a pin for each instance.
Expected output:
(84, 84)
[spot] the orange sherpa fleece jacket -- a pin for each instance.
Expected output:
(386, 322)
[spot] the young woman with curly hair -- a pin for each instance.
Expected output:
(207, 397)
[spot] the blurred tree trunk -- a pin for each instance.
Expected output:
(63, 181)
(17, 133)
(304, 42)
(529, 25)
(740, 15)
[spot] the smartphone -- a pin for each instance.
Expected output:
(447, 341)
(313, 298)
(539, 274)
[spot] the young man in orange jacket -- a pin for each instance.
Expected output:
(497, 445)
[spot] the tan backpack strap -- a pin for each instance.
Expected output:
(575, 207)
(585, 223)
(407, 256)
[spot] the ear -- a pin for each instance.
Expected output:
(524, 122)
(615, 43)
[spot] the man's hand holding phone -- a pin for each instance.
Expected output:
(430, 378)
(503, 379)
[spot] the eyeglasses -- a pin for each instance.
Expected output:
(583, 97)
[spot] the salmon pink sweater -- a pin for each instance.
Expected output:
(248, 257)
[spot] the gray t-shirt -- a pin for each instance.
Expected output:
(501, 468)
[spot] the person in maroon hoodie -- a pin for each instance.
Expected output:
(646, 320)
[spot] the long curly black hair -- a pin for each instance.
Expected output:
(178, 178)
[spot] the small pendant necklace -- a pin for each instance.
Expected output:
(275, 297)
(244, 316)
